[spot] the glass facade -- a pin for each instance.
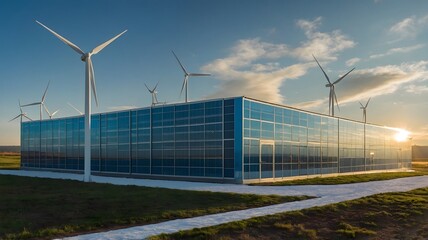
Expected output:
(237, 139)
(189, 140)
(281, 142)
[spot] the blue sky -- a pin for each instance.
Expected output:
(260, 49)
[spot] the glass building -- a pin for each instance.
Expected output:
(239, 140)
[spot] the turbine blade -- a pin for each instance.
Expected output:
(92, 79)
(154, 89)
(325, 74)
(72, 45)
(100, 47)
(46, 90)
(340, 79)
(55, 113)
(147, 88)
(46, 109)
(337, 103)
(181, 65)
(31, 104)
(27, 117)
(184, 83)
(20, 107)
(75, 108)
(15, 117)
(199, 74)
(361, 105)
(368, 102)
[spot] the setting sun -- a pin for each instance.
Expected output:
(401, 135)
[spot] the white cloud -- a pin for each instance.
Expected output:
(416, 89)
(325, 46)
(119, 108)
(311, 104)
(381, 80)
(404, 27)
(398, 50)
(250, 71)
(352, 61)
(409, 27)
(265, 67)
(372, 82)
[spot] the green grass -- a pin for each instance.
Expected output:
(402, 215)
(10, 161)
(46, 208)
(420, 170)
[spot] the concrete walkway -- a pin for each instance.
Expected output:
(326, 194)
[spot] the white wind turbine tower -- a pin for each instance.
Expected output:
(22, 114)
(41, 103)
(364, 107)
(187, 75)
(89, 82)
(153, 92)
(332, 96)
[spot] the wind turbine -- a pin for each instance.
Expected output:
(187, 75)
(89, 82)
(52, 114)
(332, 96)
(80, 113)
(41, 103)
(153, 92)
(22, 114)
(364, 107)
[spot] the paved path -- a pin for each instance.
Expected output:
(326, 194)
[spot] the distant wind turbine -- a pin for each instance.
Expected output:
(332, 96)
(153, 92)
(80, 113)
(364, 107)
(89, 82)
(186, 77)
(22, 114)
(41, 103)
(52, 114)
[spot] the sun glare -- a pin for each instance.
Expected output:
(401, 135)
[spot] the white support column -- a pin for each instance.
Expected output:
(87, 165)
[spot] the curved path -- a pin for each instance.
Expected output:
(326, 194)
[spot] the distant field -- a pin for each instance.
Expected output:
(10, 160)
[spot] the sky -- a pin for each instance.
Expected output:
(259, 49)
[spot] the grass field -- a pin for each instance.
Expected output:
(383, 216)
(46, 208)
(10, 160)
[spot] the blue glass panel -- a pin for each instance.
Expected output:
(213, 104)
(229, 102)
(197, 172)
(213, 172)
(184, 107)
(229, 109)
